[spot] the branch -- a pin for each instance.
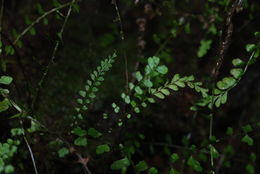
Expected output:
(45, 73)
(224, 45)
(39, 19)
(122, 36)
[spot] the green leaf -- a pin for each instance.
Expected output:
(214, 151)
(218, 102)
(152, 171)
(120, 164)
(81, 141)
(141, 166)
(212, 29)
(148, 83)
(180, 84)
(175, 78)
(204, 47)
(2, 164)
(230, 131)
(172, 171)
(92, 95)
(82, 93)
(137, 110)
(138, 90)
(174, 157)
(32, 31)
(250, 47)
(257, 34)
(153, 61)
(253, 157)
(151, 100)
(101, 79)
(247, 128)
(144, 104)
(79, 101)
(131, 86)
(236, 72)
(237, 62)
(216, 91)
(250, 169)
(138, 76)
(229, 81)
(187, 28)
(9, 50)
(162, 69)
(224, 98)
(45, 21)
(4, 105)
(248, 140)
(226, 83)
(190, 78)
(221, 85)
(159, 95)
(114, 105)
(9, 168)
(165, 91)
(94, 133)
(116, 109)
(6, 80)
(17, 131)
(78, 131)
(129, 116)
(194, 164)
(63, 152)
(173, 87)
(127, 100)
(102, 149)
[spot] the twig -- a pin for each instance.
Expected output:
(224, 45)
(86, 169)
(225, 38)
(80, 158)
(122, 36)
(24, 137)
(162, 46)
(45, 73)
(40, 18)
(31, 154)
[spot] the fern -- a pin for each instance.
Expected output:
(87, 95)
(150, 83)
(220, 92)
(179, 82)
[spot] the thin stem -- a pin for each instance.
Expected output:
(122, 36)
(163, 45)
(211, 148)
(45, 73)
(31, 154)
(39, 19)
(224, 45)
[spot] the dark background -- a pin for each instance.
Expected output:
(91, 35)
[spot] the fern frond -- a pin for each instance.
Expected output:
(179, 82)
(87, 95)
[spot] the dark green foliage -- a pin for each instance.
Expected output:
(180, 94)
